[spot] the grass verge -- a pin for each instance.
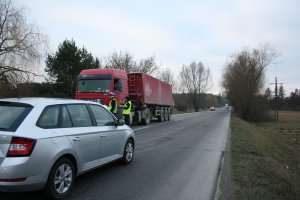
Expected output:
(266, 158)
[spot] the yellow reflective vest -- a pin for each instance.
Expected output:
(110, 106)
(127, 108)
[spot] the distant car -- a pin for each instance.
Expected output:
(212, 108)
(45, 143)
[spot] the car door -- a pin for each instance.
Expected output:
(112, 137)
(84, 137)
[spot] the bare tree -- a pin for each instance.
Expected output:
(167, 76)
(125, 61)
(243, 79)
(121, 60)
(147, 66)
(21, 45)
(196, 80)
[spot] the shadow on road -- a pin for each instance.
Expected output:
(82, 185)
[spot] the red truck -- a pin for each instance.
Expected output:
(151, 98)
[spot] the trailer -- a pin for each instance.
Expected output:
(151, 98)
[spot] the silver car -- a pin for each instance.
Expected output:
(45, 143)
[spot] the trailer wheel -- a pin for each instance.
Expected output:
(166, 114)
(169, 114)
(161, 118)
(147, 118)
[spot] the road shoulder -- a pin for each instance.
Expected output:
(225, 185)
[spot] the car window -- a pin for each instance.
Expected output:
(102, 116)
(14, 115)
(49, 117)
(66, 119)
(79, 115)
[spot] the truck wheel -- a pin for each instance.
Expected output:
(60, 180)
(147, 119)
(169, 115)
(161, 118)
(166, 114)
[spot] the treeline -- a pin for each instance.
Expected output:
(66, 63)
(32, 89)
(183, 101)
(291, 102)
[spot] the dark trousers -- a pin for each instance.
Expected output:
(127, 120)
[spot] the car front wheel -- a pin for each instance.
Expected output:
(60, 180)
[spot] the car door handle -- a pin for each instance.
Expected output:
(76, 139)
(103, 135)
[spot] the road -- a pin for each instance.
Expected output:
(178, 159)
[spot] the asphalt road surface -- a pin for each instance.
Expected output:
(178, 159)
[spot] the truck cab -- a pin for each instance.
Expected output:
(96, 84)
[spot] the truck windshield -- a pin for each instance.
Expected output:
(94, 85)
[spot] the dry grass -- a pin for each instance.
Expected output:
(266, 158)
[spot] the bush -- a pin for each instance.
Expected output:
(181, 107)
(257, 110)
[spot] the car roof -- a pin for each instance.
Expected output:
(43, 100)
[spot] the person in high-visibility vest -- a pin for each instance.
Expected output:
(126, 111)
(113, 106)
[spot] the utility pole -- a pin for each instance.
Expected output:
(276, 98)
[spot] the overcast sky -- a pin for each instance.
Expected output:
(177, 32)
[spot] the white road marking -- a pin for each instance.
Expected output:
(141, 128)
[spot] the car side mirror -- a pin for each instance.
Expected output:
(121, 122)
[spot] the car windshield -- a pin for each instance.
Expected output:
(14, 115)
(102, 85)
